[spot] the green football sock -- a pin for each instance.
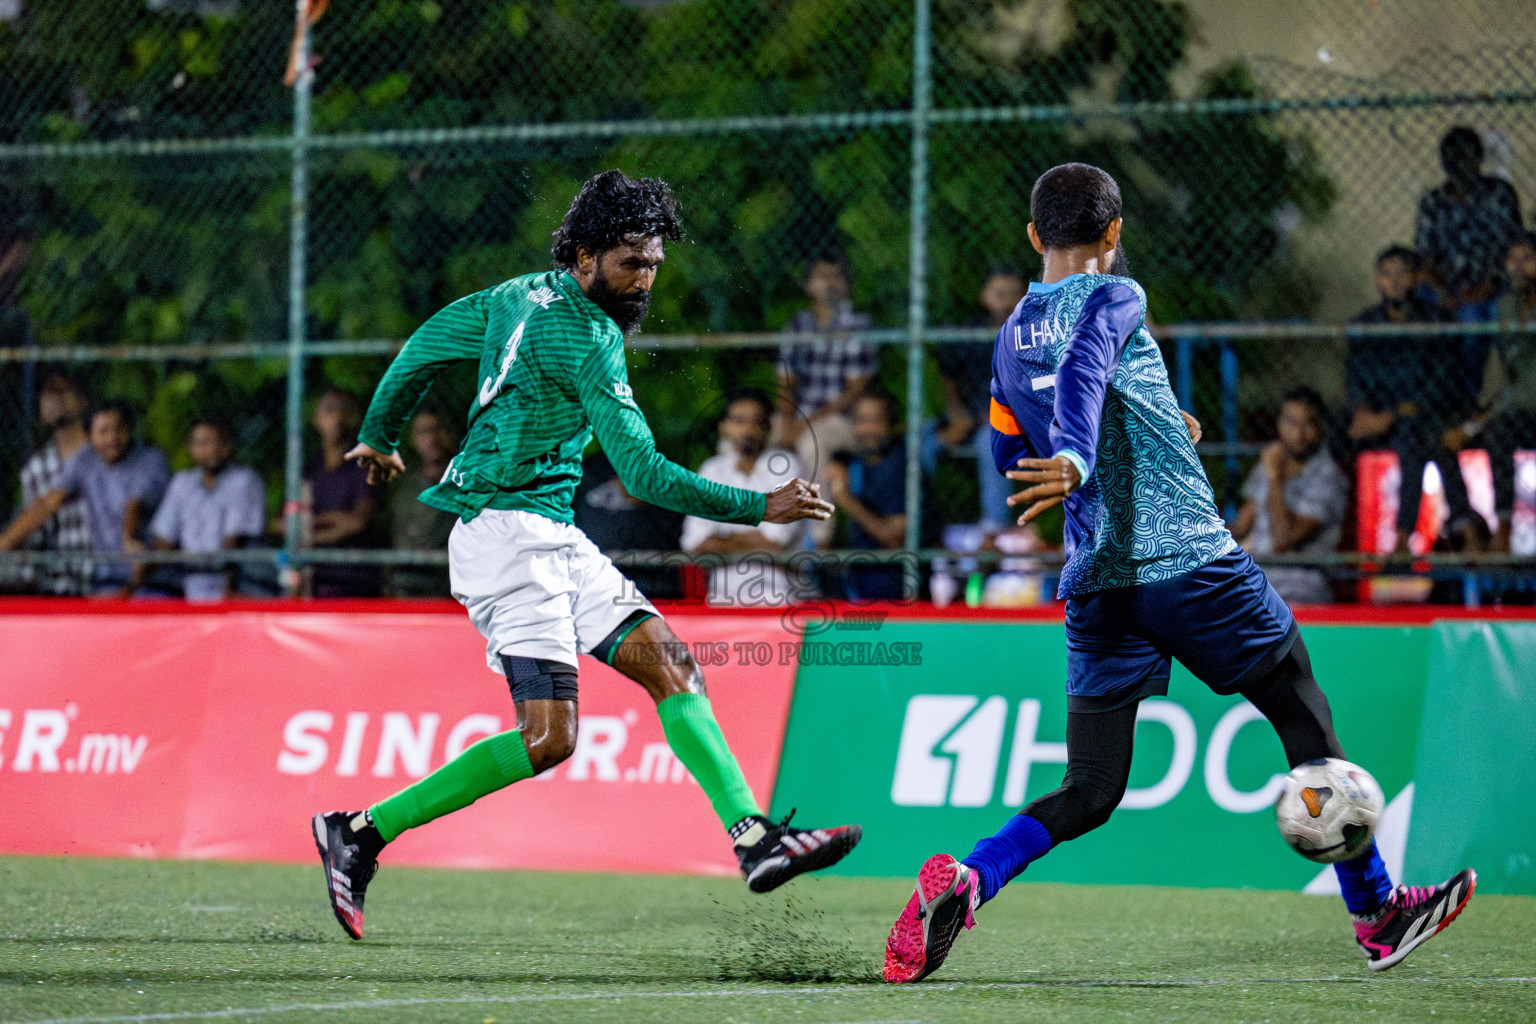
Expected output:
(489, 765)
(695, 738)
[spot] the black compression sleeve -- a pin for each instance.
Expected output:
(1098, 765)
(1295, 705)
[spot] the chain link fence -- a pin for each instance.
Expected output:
(183, 230)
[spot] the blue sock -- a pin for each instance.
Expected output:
(1364, 881)
(999, 858)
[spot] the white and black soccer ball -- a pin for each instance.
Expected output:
(1328, 809)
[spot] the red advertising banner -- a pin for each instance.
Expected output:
(1377, 480)
(220, 734)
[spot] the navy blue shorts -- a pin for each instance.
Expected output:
(1223, 622)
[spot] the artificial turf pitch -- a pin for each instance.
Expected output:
(103, 940)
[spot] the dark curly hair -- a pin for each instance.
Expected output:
(612, 207)
(1073, 204)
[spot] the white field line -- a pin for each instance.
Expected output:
(743, 993)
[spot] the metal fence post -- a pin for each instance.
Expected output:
(1471, 590)
(917, 288)
(29, 389)
(1184, 373)
(1229, 425)
(293, 466)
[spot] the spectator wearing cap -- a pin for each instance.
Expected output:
(215, 506)
(1294, 499)
(121, 481)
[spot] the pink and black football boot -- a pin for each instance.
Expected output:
(945, 901)
(350, 859)
(1411, 917)
(784, 852)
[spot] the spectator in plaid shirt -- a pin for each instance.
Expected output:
(61, 406)
(1465, 228)
(821, 376)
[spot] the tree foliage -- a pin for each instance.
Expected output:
(194, 248)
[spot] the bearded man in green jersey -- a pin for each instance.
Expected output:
(552, 372)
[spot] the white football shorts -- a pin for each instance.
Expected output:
(536, 588)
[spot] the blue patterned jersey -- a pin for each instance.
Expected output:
(1076, 374)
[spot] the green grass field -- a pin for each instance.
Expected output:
(151, 941)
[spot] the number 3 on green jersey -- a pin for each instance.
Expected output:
(492, 386)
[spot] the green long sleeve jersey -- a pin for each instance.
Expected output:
(551, 373)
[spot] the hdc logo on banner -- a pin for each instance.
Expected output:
(951, 747)
(931, 757)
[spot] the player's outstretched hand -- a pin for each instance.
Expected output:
(1053, 480)
(382, 468)
(795, 500)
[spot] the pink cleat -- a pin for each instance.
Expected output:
(1411, 917)
(946, 897)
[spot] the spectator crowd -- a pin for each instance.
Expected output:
(94, 490)
(1429, 397)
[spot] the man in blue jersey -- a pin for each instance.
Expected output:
(1083, 414)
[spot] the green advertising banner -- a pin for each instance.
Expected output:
(1476, 772)
(930, 754)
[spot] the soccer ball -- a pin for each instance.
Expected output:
(1328, 810)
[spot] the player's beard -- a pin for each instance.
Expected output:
(1120, 266)
(628, 311)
